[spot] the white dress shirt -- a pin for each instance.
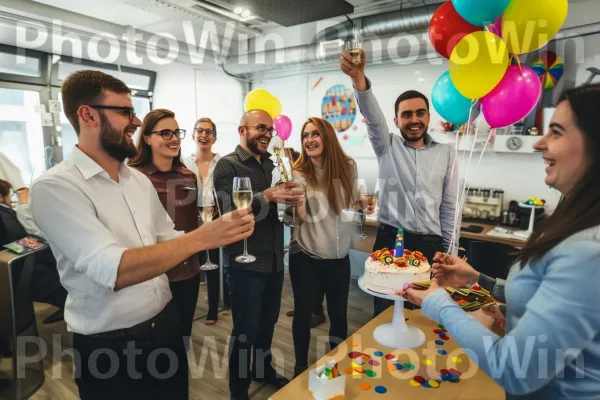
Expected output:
(190, 163)
(89, 221)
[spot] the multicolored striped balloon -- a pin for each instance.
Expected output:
(549, 68)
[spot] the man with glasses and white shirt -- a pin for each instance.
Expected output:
(418, 187)
(113, 242)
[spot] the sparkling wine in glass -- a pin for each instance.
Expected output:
(207, 211)
(353, 48)
(242, 198)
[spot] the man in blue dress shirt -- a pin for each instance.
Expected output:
(418, 187)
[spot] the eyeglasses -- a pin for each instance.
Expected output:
(167, 134)
(263, 129)
(123, 110)
(409, 114)
(209, 132)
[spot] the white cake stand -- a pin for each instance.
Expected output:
(396, 335)
(528, 232)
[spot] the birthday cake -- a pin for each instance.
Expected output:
(386, 272)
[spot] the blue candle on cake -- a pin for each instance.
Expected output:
(399, 245)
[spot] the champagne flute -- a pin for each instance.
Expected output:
(242, 198)
(208, 209)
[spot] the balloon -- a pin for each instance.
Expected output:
(549, 68)
(283, 125)
(496, 27)
(448, 102)
(513, 99)
(528, 25)
(480, 12)
(260, 99)
(478, 63)
(447, 28)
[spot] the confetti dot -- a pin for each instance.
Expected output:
(365, 357)
(439, 342)
(391, 367)
(371, 374)
(408, 366)
(380, 389)
(437, 331)
(349, 370)
(455, 372)
(414, 383)
(427, 362)
(359, 361)
(359, 370)
(374, 363)
(452, 378)
(355, 354)
(444, 377)
(365, 386)
(425, 385)
(433, 384)
(391, 357)
(399, 366)
(419, 379)
(456, 360)
(353, 343)
(378, 354)
(441, 326)
(444, 372)
(445, 338)
(443, 335)
(442, 352)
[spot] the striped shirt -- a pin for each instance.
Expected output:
(266, 243)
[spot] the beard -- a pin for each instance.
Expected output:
(116, 143)
(413, 138)
(252, 144)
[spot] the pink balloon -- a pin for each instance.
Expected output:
(283, 125)
(513, 99)
(496, 27)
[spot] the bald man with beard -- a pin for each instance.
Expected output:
(254, 287)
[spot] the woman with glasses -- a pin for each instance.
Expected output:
(319, 261)
(159, 158)
(202, 163)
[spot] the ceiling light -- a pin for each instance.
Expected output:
(246, 13)
(238, 10)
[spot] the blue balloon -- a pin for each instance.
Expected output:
(480, 12)
(448, 102)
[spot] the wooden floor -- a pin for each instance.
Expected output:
(207, 361)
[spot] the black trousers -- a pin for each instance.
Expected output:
(185, 297)
(147, 361)
(426, 244)
(213, 283)
(311, 279)
(255, 303)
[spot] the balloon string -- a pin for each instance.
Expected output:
(514, 56)
(457, 211)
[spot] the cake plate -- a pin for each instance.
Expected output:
(397, 335)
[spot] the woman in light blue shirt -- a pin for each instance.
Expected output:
(552, 346)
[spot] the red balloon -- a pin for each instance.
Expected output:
(447, 28)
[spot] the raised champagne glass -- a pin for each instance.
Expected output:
(207, 211)
(242, 198)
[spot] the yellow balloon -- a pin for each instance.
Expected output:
(528, 25)
(261, 99)
(478, 63)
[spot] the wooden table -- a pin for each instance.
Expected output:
(484, 237)
(474, 384)
(371, 226)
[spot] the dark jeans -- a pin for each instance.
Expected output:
(255, 302)
(147, 362)
(311, 279)
(213, 283)
(426, 244)
(185, 297)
